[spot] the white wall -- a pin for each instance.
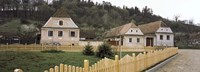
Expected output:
(66, 39)
(54, 22)
(134, 31)
(164, 31)
(134, 43)
(93, 43)
(165, 42)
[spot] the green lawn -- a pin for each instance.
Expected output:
(38, 61)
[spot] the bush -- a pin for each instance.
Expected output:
(88, 50)
(104, 50)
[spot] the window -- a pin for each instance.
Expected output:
(168, 37)
(50, 33)
(60, 33)
(72, 33)
(136, 30)
(131, 30)
(161, 37)
(60, 23)
(130, 39)
(138, 40)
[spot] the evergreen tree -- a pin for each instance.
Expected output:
(88, 50)
(104, 50)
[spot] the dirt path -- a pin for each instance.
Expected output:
(187, 61)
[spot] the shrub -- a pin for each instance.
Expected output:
(104, 50)
(88, 50)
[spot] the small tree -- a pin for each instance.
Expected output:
(104, 50)
(88, 50)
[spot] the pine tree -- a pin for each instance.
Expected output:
(104, 50)
(88, 50)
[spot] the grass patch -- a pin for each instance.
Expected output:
(40, 61)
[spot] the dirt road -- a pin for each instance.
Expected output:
(188, 60)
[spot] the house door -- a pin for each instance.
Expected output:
(149, 41)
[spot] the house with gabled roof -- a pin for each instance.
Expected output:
(60, 28)
(157, 34)
(127, 35)
(151, 34)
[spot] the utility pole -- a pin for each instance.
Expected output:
(120, 43)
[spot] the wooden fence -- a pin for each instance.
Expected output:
(40, 47)
(126, 64)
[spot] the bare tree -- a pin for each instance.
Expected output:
(176, 17)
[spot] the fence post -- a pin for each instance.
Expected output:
(57, 48)
(56, 69)
(25, 45)
(51, 70)
(73, 69)
(117, 69)
(35, 46)
(18, 70)
(145, 60)
(42, 47)
(77, 69)
(69, 68)
(6, 46)
(86, 65)
(61, 67)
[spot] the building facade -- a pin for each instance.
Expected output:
(60, 29)
(151, 34)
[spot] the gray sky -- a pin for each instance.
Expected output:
(187, 9)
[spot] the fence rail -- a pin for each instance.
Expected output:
(41, 47)
(38, 47)
(126, 64)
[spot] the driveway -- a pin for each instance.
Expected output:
(188, 60)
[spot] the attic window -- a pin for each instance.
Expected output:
(60, 23)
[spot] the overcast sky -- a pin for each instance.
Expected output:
(187, 9)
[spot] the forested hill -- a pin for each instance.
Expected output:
(86, 14)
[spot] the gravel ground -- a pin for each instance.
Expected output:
(187, 61)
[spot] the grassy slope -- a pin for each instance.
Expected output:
(38, 61)
(10, 27)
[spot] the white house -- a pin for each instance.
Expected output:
(126, 35)
(61, 29)
(151, 34)
(157, 34)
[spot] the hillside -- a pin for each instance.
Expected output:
(87, 15)
(98, 16)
